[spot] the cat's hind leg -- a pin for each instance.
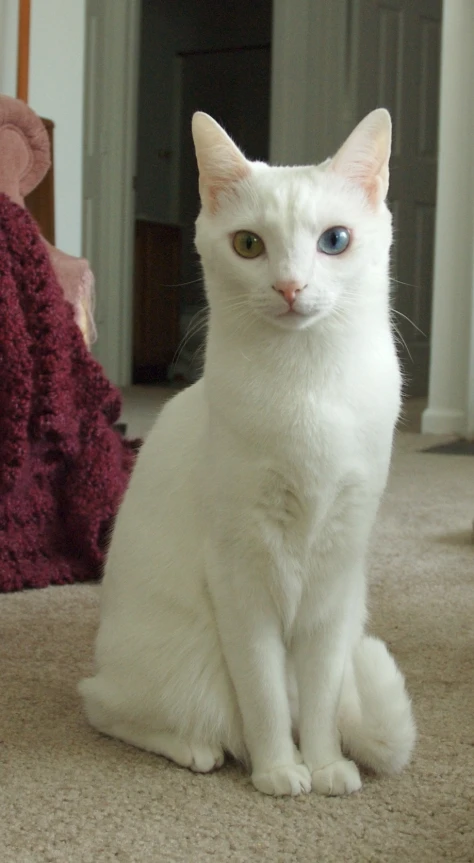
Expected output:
(198, 757)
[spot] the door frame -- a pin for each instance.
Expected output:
(126, 161)
(116, 192)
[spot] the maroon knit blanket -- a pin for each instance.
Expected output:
(63, 468)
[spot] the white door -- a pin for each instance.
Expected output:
(397, 63)
(334, 62)
(111, 65)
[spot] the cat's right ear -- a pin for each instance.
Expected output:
(364, 157)
(220, 162)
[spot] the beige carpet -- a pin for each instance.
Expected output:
(67, 794)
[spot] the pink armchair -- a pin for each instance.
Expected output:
(25, 158)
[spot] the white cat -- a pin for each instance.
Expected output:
(234, 599)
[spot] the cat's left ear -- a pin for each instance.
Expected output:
(364, 157)
(220, 162)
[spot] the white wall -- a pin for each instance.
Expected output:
(451, 390)
(8, 46)
(56, 91)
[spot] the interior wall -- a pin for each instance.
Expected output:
(8, 46)
(169, 28)
(451, 393)
(56, 91)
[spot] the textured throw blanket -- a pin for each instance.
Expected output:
(63, 468)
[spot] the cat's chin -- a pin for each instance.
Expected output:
(297, 320)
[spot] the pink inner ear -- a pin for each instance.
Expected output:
(368, 174)
(373, 188)
(364, 156)
(210, 188)
(221, 163)
(209, 195)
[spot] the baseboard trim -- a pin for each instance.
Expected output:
(443, 421)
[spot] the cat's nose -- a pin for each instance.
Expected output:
(288, 290)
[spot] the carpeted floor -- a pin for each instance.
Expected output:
(69, 795)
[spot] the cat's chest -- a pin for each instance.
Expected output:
(314, 480)
(297, 471)
(300, 501)
(319, 445)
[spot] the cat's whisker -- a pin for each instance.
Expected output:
(198, 322)
(406, 284)
(236, 307)
(235, 303)
(195, 324)
(243, 319)
(184, 284)
(344, 307)
(403, 342)
(406, 318)
(197, 328)
(201, 349)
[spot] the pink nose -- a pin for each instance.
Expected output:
(288, 290)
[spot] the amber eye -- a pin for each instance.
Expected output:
(248, 245)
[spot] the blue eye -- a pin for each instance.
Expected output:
(334, 241)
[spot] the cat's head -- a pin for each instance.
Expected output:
(293, 245)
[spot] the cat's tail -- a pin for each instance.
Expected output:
(375, 715)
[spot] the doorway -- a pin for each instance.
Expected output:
(212, 57)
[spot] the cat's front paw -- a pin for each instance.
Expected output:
(340, 777)
(290, 779)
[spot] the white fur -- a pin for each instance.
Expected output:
(236, 573)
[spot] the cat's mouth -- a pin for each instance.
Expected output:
(289, 312)
(292, 318)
